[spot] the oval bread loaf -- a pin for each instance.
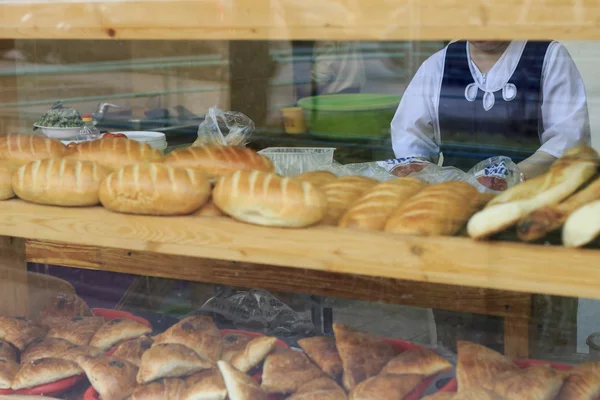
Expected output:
(317, 178)
(22, 149)
(218, 161)
(342, 193)
(59, 182)
(115, 153)
(267, 199)
(154, 189)
(6, 171)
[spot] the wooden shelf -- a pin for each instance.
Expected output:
(301, 20)
(454, 261)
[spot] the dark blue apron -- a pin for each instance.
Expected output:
(468, 132)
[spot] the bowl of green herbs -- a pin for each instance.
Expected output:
(60, 123)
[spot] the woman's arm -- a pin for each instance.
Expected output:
(536, 164)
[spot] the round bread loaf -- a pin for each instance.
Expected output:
(155, 189)
(22, 149)
(6, 171)
(59, 182)
(264, 198)
(218, 161)
(115, 153)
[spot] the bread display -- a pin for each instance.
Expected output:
(7, 351)
(372, 210)
(342, 193)
(8, 370)
(317, 178)
(385, 386)
(535, 382)
(20, 332)
(219, 161)
(171, 388)
(67, 305)
(209, 209)
(582, 226)
(42, 371)
(132, 350)
(420, 361)
(233, 343)
(582, 382)
(239, 385)
(319, 389)
(477, 366)
(117, 330)
(169, 361)
(323, 352)
(267, 199)
(207, 384)
(112, 378)
(21, 149)
(77, 330)
(44, 348)
(115, 153)
(59, 182)
(287, 371)
(6, 172)
(441, 209)
(154, 189)
(253, 354)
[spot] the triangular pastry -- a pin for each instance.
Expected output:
(8, 370)
(320, 389)
(74, 352)
(540, 382)
(112, 378)
(7, 351)
(205, 385)
(322, 350)
(117, 330)
(199, 333)
(385, 387)
(132, 350)
(582, 383)
(287, 371)
(477, 366)
(77, 330)
(20, 332)
(239, 385)
(440, 396)
(419, 361)
(479, 394)
(363, 355)
(65, 305)
(164, 389)
(254, 353)
(233, 343)
(44, 370)
(45, 348)
(169, 361)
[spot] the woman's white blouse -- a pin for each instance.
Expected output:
(565, 120)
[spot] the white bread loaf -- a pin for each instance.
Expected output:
(6, 171)
(582, 226)
(218, 161)
(59, 182)
(115, 153)
(317, 178)
(22, 149)
(154, 189)
(266, 199)
(342, 193)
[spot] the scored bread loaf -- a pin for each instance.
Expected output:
(267, 199)
(218, 161)
(6, 171)
(115, 153)
(342, 193)
(317, 178)
(582, 226)
(437, 210)
(154, 189)
(59, 182)
(210, 209)
(22, 149)
(373, 209)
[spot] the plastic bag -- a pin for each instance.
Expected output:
(226, 128)
(259, 310)
(59, 116)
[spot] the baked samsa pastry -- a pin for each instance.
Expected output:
(45, 348)
(199, 333)
(317, 178)
(540, 382)
(165, 389)
(440, 396)
(239, 385)
(473, 394)
(169, 361)
(385, 386)
(112, 378)
(287, 371)
(205, 385)
(132, 350)
(20, 332)
(117, 330)
(7, 351)
(233, 343)
(44, 370)
(477, 366)
(322, 350)
(363, 355)
(582, 383)
(319, 389)
(74, 352)
(65, 305)
(254, 353)
(419, 361)
(342, 193)
(8, 370)
(77, 330)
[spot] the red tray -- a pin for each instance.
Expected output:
(48, 389)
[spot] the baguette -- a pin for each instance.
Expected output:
(582, 226)
(218, 161)
(267, 199)
(558, 183)
(22, 149)
(373, 209)
(115, 153)
(59, 182)
(317, 178)
(6, 171)
(342, 193)
(154, 189)
(547, 219)
(441, 209)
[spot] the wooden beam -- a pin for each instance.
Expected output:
(241, 274)
(14, 291)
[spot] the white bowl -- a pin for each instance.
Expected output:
(60, 133)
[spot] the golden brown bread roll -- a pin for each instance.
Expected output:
(218, 161)
(372, 210)
(6, 172)
(317, 178)
(210, 209)
(342, 193)
(59, 182)
(115, 153)
(582, 226)
(22, 149)
(267, 199)
(154, 189)
(437, 210)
